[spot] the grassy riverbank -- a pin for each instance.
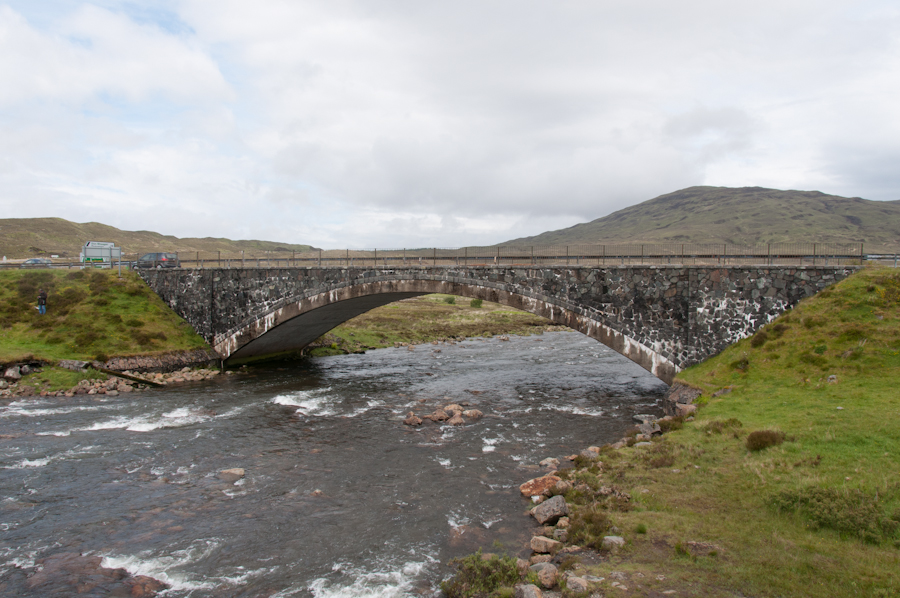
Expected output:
(425, 319)
(91, 314)
(817, 514)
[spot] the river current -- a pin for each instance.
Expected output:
(339, 498)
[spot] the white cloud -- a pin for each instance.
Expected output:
(407, 123)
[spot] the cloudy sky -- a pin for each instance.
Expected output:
(403, 123)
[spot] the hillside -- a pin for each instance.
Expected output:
(29, 237)
(748, 215)
(91, 314)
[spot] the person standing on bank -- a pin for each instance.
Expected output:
(42, 301)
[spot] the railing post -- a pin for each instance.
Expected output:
(567, 255)
(434, 256)
(375, 258)
(532, 255)
(242, 258)
(465, 257)
(219, 258)
(768, 254)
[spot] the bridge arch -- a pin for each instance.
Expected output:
(298, 321)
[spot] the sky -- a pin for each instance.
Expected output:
(403, 123)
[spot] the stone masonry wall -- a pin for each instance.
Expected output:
(684, 314)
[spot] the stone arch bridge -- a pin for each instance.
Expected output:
(664, 318)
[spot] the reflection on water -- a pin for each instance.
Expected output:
(339, 497)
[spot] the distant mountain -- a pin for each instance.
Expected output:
(748, 215)
(28, 237)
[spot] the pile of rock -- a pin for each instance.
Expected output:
(12, 385)
(452, 414)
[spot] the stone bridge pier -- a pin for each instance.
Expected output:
(664, 318)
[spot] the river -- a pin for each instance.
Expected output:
(339, 497)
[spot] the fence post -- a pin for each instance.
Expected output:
(768, 254)
(465, 257)
(532, 255)
(567, 255)
(219, 258)
(375, 259)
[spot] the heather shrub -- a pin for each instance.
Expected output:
(763, 439)
(476, 576)
(850, 512)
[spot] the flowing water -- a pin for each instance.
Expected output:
(339, 497)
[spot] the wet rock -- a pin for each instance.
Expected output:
(545, 545)
(643, 418)
(439, 415)
(612, 543)
(453, 408)
(142, 586)
(111, 393)
(550, 462)
(528, 591)
(550, 510)
(231, 475)
(12, 373)
(473, 414)
(456, 420)
(536, 486)
(679, 394)
(412, 420)
(547, 574)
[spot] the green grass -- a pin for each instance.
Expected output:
(817, 514)
(424, 319)
(90, 314)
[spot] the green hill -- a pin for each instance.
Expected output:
(29, 237)
(740, 216)
(90, 314)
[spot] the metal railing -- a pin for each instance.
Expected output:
(690, 254)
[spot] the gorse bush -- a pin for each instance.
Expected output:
(850, 512)
(477, 577)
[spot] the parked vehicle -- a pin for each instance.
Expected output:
(158, 260)
(36, 262)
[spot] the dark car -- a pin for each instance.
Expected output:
(158, 260)
(36, 262)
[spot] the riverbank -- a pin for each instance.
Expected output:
(427, 319)
(781, 482)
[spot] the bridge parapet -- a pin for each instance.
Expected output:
(663, 317)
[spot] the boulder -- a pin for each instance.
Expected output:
(536, 486)
(456, 420)
(561, 534)
(562, 486)
(643, 418)
(439, 415)
(473, 413)
(612, 543)
(547, 574)
(589, 454)
(577, 585)
(550, 510)
(650, 429)
(679, 394)
(412, 420)
(528, 591)
(74, 365)
(550, 462)
(3, 384)
(539, 558)
(685, 410)
(453, 408)
(563, 523)
(545, 545)
(231, 475)
(12, 373)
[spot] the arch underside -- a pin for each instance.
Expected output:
(299, 322)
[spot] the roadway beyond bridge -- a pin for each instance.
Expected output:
(663, 318)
